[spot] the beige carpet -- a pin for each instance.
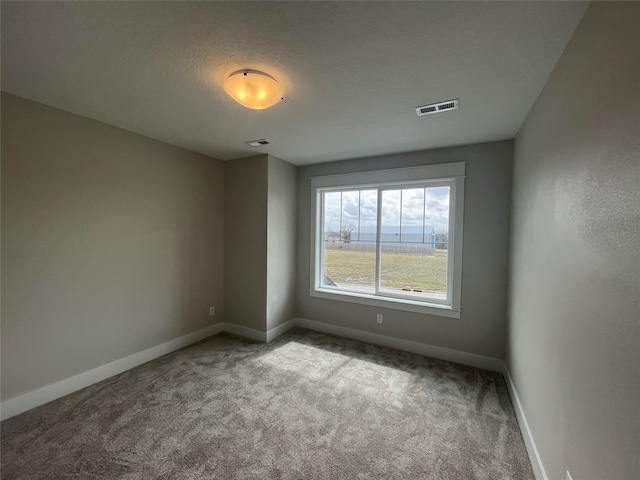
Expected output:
(307, 406)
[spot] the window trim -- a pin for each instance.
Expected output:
(453, 174)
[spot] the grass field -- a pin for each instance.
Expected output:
(399, 270)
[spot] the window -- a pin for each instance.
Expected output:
(390, 238)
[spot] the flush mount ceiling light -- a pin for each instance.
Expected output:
(253, 89)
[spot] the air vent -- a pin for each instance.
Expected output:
(437, 107)
(258, 143)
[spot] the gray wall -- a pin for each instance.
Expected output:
(281, 242)
(481, 329)
(111, 244)
(574, 342)
(245, 234)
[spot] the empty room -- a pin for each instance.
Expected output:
(320, 240)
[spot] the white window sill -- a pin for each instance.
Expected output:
(388, 302)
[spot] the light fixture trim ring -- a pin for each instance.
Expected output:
(258, 94)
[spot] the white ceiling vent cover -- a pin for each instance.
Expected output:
(258, 143)
(437, 107)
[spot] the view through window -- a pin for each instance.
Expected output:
(411, 257)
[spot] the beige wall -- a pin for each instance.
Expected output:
(281, 242)
(111, 243)
(245, 233)
(481, 329)
(260, 236)
(574, 331)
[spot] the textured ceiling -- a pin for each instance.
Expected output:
(352, 71)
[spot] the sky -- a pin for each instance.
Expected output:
(434, 209)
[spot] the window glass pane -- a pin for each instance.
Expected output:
(390, 228)
(350, 211)
(332, 216)
(349, 240)
(412, 216)
(368, 216)
(416, 264)
(437, 212)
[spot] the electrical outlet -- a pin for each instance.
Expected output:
(379, 318)
(568, 476)
(212, 311)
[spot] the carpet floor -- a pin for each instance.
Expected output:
(306, 406)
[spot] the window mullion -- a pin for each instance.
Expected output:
(378, 240)
(321, 237)
(359, 209)
(424, 210)
(400, 215)
(340, 220)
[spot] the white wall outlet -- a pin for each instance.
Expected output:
(568, 476)
(212, 311)
(379, 318)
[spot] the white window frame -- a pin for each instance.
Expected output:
(446, 174)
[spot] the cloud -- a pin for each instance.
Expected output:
(409, 206)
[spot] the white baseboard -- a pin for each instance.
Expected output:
(245, 332)
(40, 396)
(470, 359)
(280, 329)
(532, 450)
(27, 401)
(259, 335)
(457, 356)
